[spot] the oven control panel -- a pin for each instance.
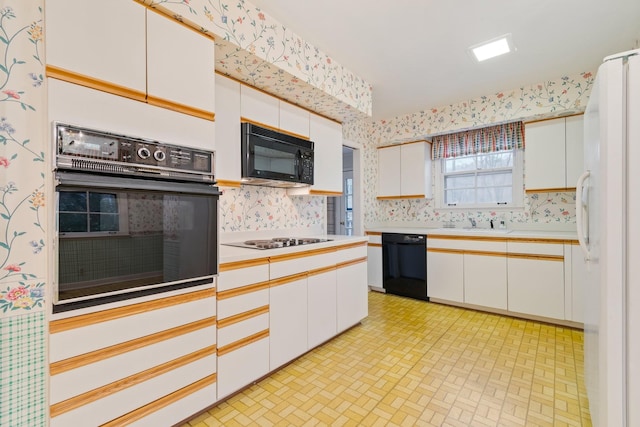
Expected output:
(91, 148)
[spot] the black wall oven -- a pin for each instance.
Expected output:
(134, 217)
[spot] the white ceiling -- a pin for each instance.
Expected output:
(414, 52)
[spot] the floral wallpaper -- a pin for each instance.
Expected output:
(253, 208)
(564, 96)
(253, 47)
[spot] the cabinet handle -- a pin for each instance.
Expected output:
(502, 203)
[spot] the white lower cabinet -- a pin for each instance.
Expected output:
(445, 275)
(287, 319)
(485, 280)
(536, 279)
(352, 290)
(321, 306)
(374, 261)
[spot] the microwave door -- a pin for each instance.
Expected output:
(273, 160)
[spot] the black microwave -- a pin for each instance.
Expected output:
(275, 159)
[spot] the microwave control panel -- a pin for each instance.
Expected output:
(98, 147)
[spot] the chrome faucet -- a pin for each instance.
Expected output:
(473, 222)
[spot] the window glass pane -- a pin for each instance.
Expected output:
(103, 202)
(349, 202)
(459, 181)
(349, 186)
(72, 201)
(493, 179)
(103, 222)
(72, 222)
(494, 195)
(459, 197)
(495, 160)
(458, 164)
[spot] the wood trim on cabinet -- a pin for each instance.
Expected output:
(528, 122)
(242, 342)
(351, 262)
(227, 266)
(536, 240)
(287, 279)
(89, 319)
(228, 183)
(325, 193)
(572, 242)
(351, 245)
(373, 233)
(408, 196)
(374, 245)
(277, 129)
(303, 254)
(75, 362)
(446, 251)
(242, 290)
(451, 237)
(321, 270)
(397, 144)
(163, 402)
(231, 320)
(93, 83)
(130, 381)
(537, 256)
(181, 108)
(468, 252)
(550, 190)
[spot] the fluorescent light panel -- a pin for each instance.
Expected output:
(492, 48)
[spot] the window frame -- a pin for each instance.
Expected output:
(123, 213)
(517, 185)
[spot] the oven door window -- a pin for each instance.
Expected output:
(113, 241)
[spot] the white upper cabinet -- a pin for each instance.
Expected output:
(404, 170)
(553, 154)
(327, 154)
(180, 63)
(228, 151)
(102, 40)
(259, 107)
(294, 120)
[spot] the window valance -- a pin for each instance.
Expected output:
(483, 140)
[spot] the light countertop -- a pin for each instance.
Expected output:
(485, 232)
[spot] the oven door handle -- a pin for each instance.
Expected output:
(84, 180)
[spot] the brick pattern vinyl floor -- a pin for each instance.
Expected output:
(412, 363)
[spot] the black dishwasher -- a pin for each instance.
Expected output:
(404, 265)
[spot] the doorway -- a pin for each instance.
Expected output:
(340, 210)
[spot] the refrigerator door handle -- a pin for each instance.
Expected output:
(582, 212)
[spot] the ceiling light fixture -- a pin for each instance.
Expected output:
(492, 48)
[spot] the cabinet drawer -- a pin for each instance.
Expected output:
(239, 274)
(532, 248)
(352, 252)
(242, 365)
(241, 300)
(295, 263)
(249, 323)
(480, 245)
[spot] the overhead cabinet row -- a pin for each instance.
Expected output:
(404, 170)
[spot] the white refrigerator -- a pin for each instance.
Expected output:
(608, 222)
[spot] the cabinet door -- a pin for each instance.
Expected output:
(578, 283)
(98, 39)
(352, 295)
(287, 322)
(374, 264)
(327, 168)
(485, 280)
(389, 171)
(545, 155)
(574, 149)
(536, 286)
(322, 307)
(445, 275)
(259, 107)
(294, 119)
(242, 366)
(415, 170)
(227, 131)
(175, 73)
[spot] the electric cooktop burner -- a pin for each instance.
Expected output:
(277, 242)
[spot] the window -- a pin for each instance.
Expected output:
(90, 212)
(483, 180)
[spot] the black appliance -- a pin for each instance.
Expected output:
(275, 159)
(134, 217)
(404, 265)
